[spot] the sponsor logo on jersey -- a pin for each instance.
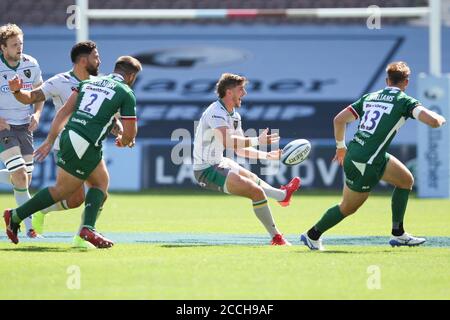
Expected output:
(359, 140)
(80, 121)
(235, 124)
(27, 73)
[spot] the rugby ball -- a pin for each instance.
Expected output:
(295, 152)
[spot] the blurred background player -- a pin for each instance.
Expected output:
(17, 121)
(88, 116)
(86, 62)
(220, 128)
(366, 161)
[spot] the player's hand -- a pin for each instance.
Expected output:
(117, 128)
(42, 152)
(266, 139)
(34, 122)
(340, 155)
(15, 83)
(119, 141)
(274, 155)
(4, 125)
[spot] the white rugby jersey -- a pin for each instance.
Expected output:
(60, 87)
(29, 71)
(207, 150)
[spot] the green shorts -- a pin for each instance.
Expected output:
(362, 177)
(215, 176)
(77, 156)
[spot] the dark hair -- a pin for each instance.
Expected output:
(228, 81)
(82, 48)
(127, 65)
(397, 72)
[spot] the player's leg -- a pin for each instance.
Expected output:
(360, 178)
(282, 195)
(15, 164)
(65, 185)
(397, 174)
(245, 187)
(351, 202)
(74, 201)
(98, 181)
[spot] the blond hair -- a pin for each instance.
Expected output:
(397, 72)
(229, 81)
(8, 31)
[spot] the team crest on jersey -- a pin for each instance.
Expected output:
(5, 76)
(27, 73)
(235, 124)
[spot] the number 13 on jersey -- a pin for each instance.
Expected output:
(373, 112)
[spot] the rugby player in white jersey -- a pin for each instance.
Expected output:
(220, 128)
(17, 122)
(86, 62)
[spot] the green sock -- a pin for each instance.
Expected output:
(331, 218)
(41, 200)
(398, 206)
(93, 201)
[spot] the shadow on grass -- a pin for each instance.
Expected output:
(383, 251)
(169, 246)
(43, 249)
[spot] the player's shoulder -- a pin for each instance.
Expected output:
(59, 77)
(28, 60)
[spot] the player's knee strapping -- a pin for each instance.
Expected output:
(15, 163)
(29, 167)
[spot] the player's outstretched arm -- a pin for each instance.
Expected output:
(238, 141)
(23, 96)
(428, 117)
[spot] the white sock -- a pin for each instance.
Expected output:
(58, 206)
(272, 192)
(264, 215)
(5, 177)
(22, 196)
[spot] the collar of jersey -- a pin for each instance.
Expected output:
(73, 75)
(223, 106)
(7, 64)
(116, 75)
(392, 88)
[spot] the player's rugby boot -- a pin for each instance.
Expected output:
(12, 228)
(290, 188)
(406, 240)
(310, 243)
(97, 239)
(279, 240)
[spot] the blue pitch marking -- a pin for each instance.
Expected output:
(214, 239)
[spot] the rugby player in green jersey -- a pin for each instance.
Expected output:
(88, 116)
(366, 162)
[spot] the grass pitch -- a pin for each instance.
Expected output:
(36, 270)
